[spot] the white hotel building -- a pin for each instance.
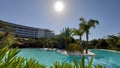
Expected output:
(30, 32)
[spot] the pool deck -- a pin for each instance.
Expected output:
(76, 53)
(108, 50)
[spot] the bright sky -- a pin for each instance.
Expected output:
(42, 14)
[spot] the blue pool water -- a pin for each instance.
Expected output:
(107, 58)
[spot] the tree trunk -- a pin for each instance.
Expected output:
(52, 44)
(87, 43)
(65, 42)
(81, 45)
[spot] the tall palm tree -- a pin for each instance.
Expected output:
(86, 26)
(66, 34)
(79, 32)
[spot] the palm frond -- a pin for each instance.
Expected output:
(82, 20)
(93, 23)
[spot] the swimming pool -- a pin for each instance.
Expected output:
(110, 59)
(106, 57)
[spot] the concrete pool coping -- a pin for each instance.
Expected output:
(108, 50)
(76, 53)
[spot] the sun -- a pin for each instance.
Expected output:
(59, 6)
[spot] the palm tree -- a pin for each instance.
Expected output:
(67, 32)
(66, 35)
(86, 26)
(79, 33)
(53, 42)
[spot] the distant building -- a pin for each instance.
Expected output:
(30, 32)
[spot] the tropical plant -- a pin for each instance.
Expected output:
(113, 42)
(86, 26)
(79, 33)
(5, 27)
(10, 60)
(1, 34)
(76, 64)
(63, 65)
(66, 35)
(110, 42)
(73, 47)
(53, 42)
(66, 32)
(7, 39)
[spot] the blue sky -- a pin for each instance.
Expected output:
(41, 14)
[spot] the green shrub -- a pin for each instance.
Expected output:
(73, 47)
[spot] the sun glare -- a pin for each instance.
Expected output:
(59, 6)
